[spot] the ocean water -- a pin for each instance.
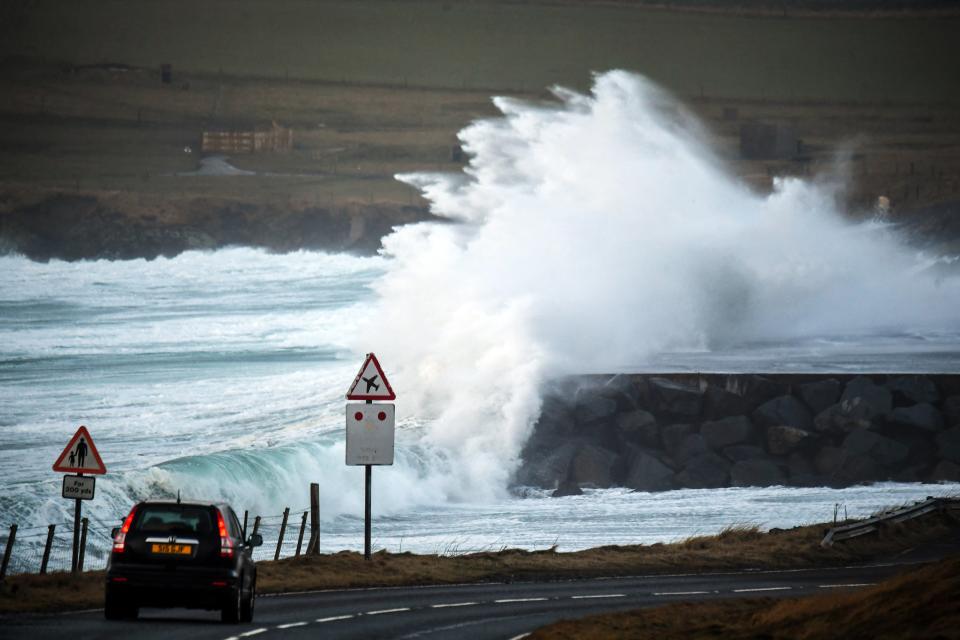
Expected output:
(221, 375)
(597, 233)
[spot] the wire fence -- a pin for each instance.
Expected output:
(31, 544)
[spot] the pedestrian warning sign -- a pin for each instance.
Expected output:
(370, 383)
(80, 456)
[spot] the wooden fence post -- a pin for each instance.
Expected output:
(84, 523)
(303, 526)
(256, 525)
(283, 529)
(46, 549)
(8, 550)
(313, 547)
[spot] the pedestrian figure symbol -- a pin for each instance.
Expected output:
(81, 452)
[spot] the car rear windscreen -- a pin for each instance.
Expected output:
(174, 519)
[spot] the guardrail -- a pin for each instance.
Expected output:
(870, 525)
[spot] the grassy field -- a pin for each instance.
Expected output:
(372, 88)
(733, 549)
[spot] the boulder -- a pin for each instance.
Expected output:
(798, 465)
(920, 416)
(948, 444)
(820, 394)
(554, 427)
(782, 439)
(720, 403)
(706, 471)
(848, 415)
(692, 446)
(638, 426)
(875, 401)
(591, 407)
(567, 488)
(885, 451)
(739, 452)
(547, 468)
(624, 390)
(784, 410)
(858, 470)
(646, 473)
(829, 460)
(726, 431)
(945, 471)
(754, 389)
(951, 410)
(909, 390)
(674, 398)
(756, 473)
(673, 435)
(594, 466)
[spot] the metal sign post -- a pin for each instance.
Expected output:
(370, 431)
(80, 456)
(74, 558)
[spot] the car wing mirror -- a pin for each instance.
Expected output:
(114, 532)
(255, 540)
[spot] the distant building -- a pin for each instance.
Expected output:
(272, 139)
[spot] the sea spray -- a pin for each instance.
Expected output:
(594, 232)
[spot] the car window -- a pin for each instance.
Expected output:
(173, 518)
(237, 529)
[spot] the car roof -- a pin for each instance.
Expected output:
(185, 503)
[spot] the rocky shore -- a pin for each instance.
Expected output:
(661, 432)
(88, 227)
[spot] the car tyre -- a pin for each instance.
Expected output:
(231, 611)
(247, 605)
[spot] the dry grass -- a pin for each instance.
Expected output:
(740, 547)
(919, 604)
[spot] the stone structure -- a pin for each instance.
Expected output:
(653, 433)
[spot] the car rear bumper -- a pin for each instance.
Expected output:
(194, 589)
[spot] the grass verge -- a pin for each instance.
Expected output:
(919, 604)
(732, 549)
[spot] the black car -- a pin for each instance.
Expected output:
(189, 554)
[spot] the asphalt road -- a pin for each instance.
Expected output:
(462, 612)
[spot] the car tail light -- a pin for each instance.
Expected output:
(226, 542)
(120, 541)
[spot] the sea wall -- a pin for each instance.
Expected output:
(661, 432)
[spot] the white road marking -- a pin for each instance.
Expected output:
(334, 618)
(506, 600)
(839, 586)
(603, 595)
(252, 632)
(521, 636)
(291, 625)
(376, 613)
(452, 604)
(680, 593)
(762, 589)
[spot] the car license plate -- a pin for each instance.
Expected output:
(174, 549)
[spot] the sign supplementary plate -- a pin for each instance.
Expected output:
(370, 433)
(79, 487)
(80, 455)
(370, 383)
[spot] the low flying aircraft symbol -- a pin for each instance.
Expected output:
(371, 383)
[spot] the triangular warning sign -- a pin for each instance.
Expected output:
(370, 383)
(80, 456)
